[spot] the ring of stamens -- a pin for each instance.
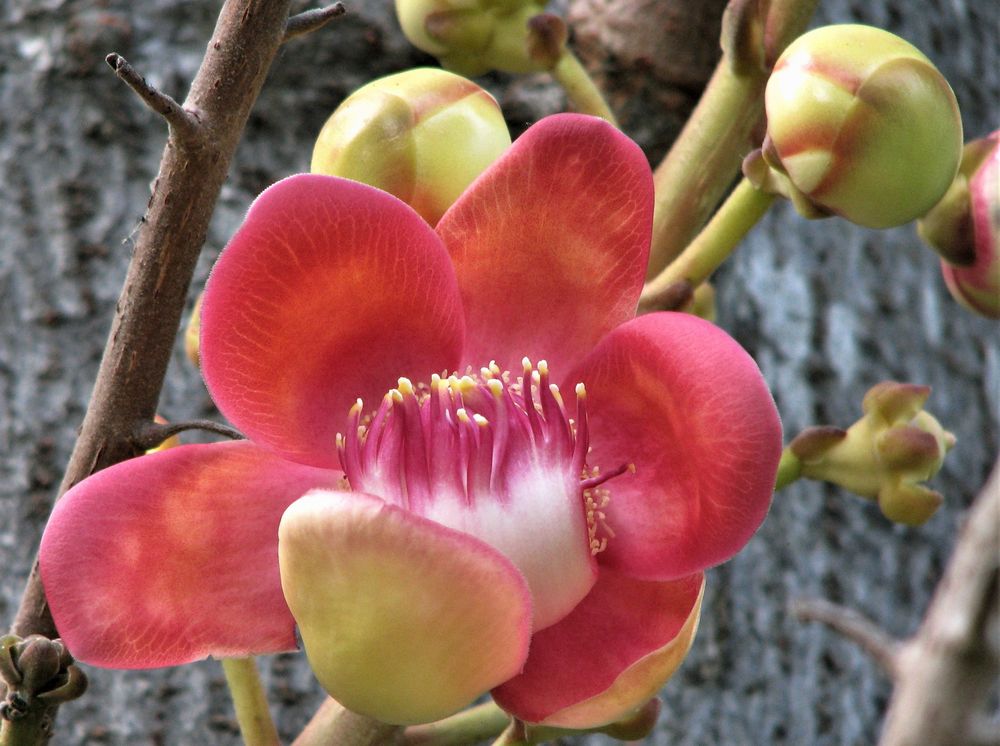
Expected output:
(467, 436)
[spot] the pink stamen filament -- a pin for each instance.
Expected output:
(468, 437)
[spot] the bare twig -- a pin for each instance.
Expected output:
(236, 62)
(183, 123)
(151, 434)
(310, 20)
(947, 670)
(854, 626)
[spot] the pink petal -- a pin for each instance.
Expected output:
(329, 291)
(550, 243)
(679, 398)
(172, 557)
(402, 619)
(610, 656)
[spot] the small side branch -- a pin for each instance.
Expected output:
(183, 123)
(855, 627)
(311, 20)
(151, 434)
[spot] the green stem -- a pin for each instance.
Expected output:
(789, 470)
(707, 154)
(250, 702)
(469, 726)
(30, 730)
(738, 214)
(584, 96)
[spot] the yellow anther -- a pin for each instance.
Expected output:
(396, 395)
(581, 391)
(485, 373)
(468, 383)
(480, 420)
(495, 387)
(405, 386)
(340, 440)
(526, 365)
(356, 408)
(631, 468)
(543, 367)
(462, 415)
(554, 390)
(494, 368)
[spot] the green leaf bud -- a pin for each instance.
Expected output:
(422, 135)
(862, 125)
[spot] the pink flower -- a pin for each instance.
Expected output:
(485, 531)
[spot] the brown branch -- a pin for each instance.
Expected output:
(855, 627)
(311, 20)
(183, 123)
(947, 670)
(236, 62)
(151, 434)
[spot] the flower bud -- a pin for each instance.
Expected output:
(422, 135)
(883, 456)
(473, 37)
(860, 124)
(964, 228)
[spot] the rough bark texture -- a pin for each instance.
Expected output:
(827, 309)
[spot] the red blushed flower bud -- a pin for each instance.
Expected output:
(422, 135)
(861, 125)
(965, 229)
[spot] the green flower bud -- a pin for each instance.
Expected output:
(883, 456)
(472, 37)
(964, 228)
(860, 124)
(422, 135)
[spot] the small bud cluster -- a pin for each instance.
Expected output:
(883, 456)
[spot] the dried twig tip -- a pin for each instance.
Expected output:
(311, 20)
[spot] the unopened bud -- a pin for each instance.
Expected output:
(885, 455)
(964, 228)
(422, 135)
(862, 125)
(472, 37)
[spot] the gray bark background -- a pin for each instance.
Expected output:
(827, 309)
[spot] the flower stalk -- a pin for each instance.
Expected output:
(250, 702)
(738, 214)
(700, 166)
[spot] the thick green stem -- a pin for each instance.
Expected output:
(250, 702)
(738, 214)
(583, 94)
(707, 154)
(469, 726)
(33, 729)
(789, 470)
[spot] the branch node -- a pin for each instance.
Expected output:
(311, 20)
(853, 625)
(181, 122)
(151, 434)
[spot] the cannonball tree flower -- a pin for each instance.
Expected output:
(469, 467)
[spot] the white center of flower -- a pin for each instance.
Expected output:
(495, 458)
